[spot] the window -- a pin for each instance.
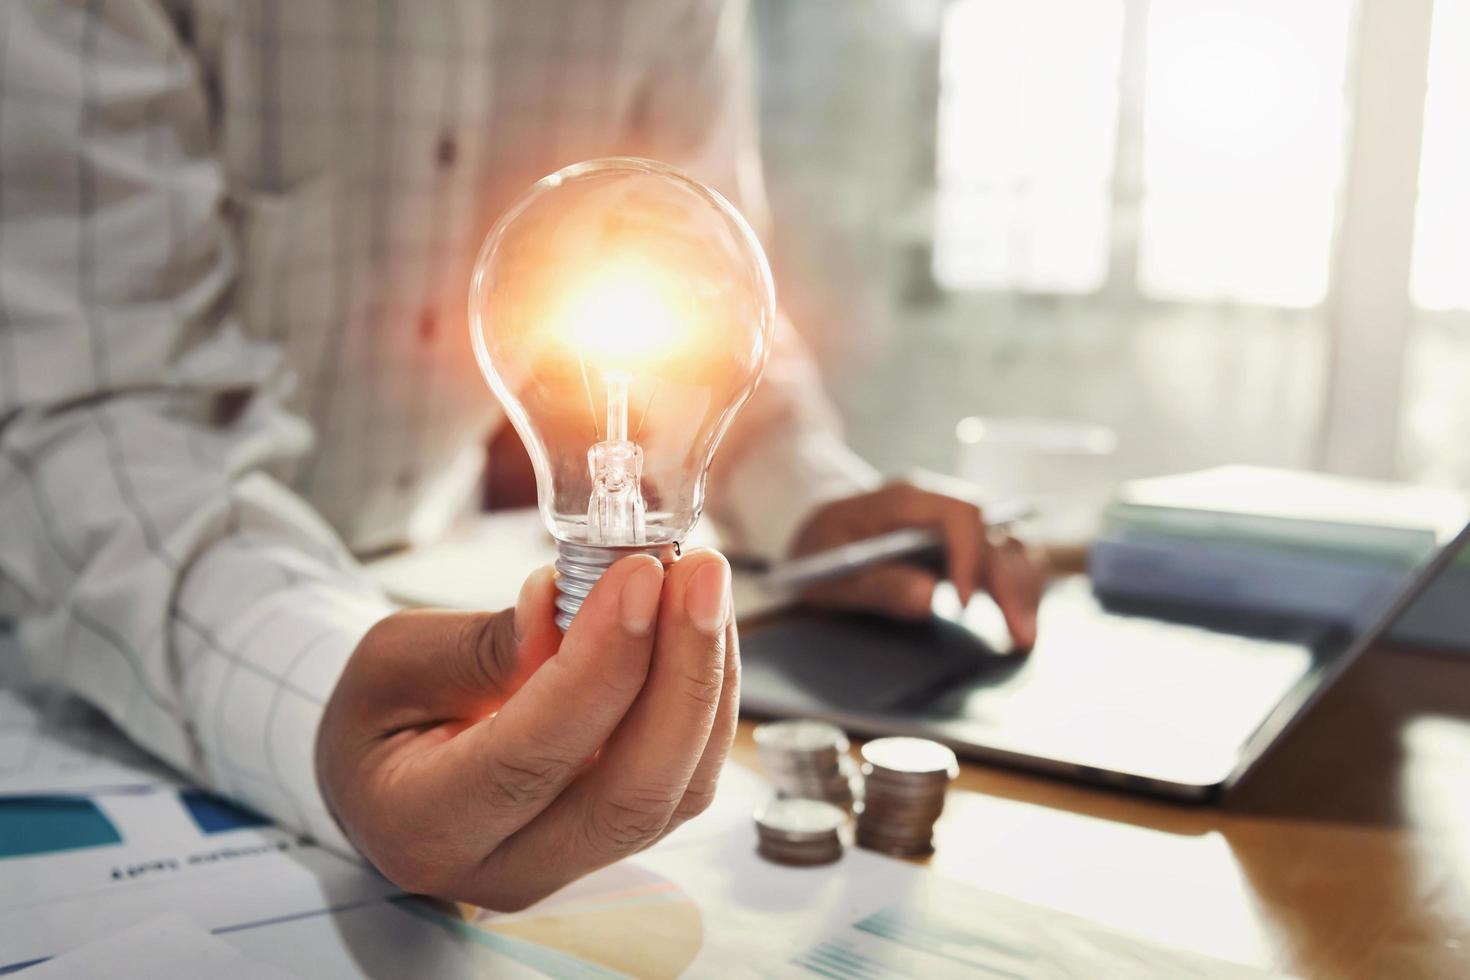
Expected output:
(1028, 102)
(1435, 415)
(1243, 147)
(1441, 270)
(1205, 223)
(1241, 103)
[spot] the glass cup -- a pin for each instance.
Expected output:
(1062, 468)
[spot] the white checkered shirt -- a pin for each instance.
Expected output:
(235, 241)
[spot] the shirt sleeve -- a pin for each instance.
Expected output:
(784, 456)
(149, 562)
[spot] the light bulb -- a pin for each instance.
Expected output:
(622, 312)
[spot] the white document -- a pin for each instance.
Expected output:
(869, 917)
(53, 743)
(77, 866)
(168, 947)
(482, 563)
(714, 909)
(703, 904)
(941, 928)
(380, 939)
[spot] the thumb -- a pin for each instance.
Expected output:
(898, 591)
(498, 652)
(442, 664)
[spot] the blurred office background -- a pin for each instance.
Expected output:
(1232, 230)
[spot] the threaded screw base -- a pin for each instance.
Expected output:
(579, 566)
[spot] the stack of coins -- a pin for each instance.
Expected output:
(807, 760)
(800, 832)
(904, 781)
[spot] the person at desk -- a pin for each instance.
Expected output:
(234, 247)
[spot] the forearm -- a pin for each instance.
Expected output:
(261, 631)
(790, 472)
(163, 577)
(784, 457)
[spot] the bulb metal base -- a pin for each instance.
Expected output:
(579, 566)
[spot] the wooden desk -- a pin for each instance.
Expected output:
(1346, 855)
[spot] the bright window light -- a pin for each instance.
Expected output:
(1243, 146)
(1027, 122)
(1441, 271)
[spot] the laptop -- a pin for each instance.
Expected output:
(1171, 702)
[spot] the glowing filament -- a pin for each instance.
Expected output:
(620, 317)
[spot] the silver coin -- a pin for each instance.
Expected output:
(904, 788)
(805, 856)
(844, 803)
(903, 849)
(917, 838)
(924, 788)
(799, 819)
(800, 736)
(914, 757)
(895, 822)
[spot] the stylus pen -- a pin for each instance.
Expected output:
(912, 544)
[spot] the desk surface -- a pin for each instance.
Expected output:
(1346, 855)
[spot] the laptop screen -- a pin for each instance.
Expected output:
(1163, 698)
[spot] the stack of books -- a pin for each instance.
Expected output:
(1281, 542)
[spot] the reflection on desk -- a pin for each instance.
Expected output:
(1347, 855)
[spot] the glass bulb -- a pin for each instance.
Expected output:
(622, 312)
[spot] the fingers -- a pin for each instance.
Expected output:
(629, 797)
(491, 779)
(894, 591)
(965, 544)
(705, 781)
(1011, 574)
(433, 666)
(1015, 582)
(899, 591)
(959, 523)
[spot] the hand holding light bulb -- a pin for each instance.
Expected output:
(622, 313)
(490, 759)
